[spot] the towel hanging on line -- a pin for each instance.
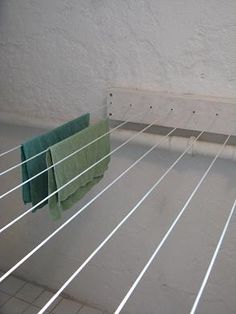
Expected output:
(37, 189)
(65, 171)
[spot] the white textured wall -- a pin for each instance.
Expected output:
(175, 276)
(59, 56)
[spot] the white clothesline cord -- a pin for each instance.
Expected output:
(141, 274)
(116, 228)
(204, 282)
(10, 150)
(76, 177)
(22, 163)
(18, 146)
(80, 210)
(44, 151)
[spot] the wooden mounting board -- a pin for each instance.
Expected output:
(172, 110)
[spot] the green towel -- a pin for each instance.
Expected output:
(65, 171)
(37, 189)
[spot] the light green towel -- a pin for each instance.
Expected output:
(37, 189)
(68, 169)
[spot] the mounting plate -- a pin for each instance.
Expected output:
(184, 111)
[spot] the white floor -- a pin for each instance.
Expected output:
(18, 296)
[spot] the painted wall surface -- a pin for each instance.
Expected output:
(58, 57)
(175, 276)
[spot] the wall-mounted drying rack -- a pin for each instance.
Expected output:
(197, 111)
(202, 114)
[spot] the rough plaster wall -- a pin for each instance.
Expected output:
(174, 277)
(59, 56)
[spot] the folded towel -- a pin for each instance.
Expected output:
(74, 165)
(37, 189)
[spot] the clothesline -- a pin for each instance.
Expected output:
(70, 219)
(10, 150)
(72, 180)
(120, 224)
